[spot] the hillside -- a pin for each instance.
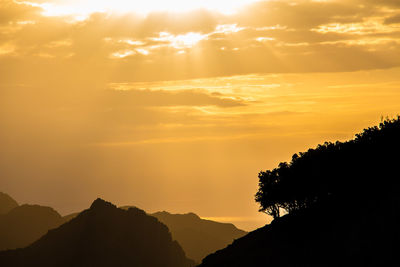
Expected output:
(25, 224)
(103, 236)
(6, 203)
(318, 237)
(199, 237)
(342, 206)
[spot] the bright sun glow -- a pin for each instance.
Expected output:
(82, 8)
(181, 41)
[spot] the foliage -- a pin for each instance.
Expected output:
(349, 172)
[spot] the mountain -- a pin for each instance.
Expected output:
(103, 235)
(25, 224)
(199, 237)
(6, 203)
(342, 205)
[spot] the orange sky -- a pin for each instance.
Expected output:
(178, 105)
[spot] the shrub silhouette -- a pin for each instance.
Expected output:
(345, 173)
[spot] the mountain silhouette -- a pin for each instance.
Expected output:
(25, 224)
(342, 204)
(199, 237)
(103, 235)
(6, 203)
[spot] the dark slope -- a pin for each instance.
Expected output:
(343, 201)
(25, 224)
(6, 203)
(318, 237)
(199, 237)
(103, 236)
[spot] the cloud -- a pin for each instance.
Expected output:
(11, 12)
(161, 98)
(393, 19)
(263, 37)
(382, 3)
(299, 14)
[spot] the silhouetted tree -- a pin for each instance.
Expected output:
(342, 171)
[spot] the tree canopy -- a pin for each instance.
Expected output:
(347, 173)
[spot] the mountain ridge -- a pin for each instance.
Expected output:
(7, 203)
(25, 224)
(103, 235)
(199, 237)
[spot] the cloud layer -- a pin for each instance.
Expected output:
(264, 37)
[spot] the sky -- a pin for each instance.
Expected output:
(177, 105)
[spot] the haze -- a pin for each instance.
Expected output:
(176, 106)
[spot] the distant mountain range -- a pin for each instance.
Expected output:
(23, 225)
(103, 235)
(199, 237)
